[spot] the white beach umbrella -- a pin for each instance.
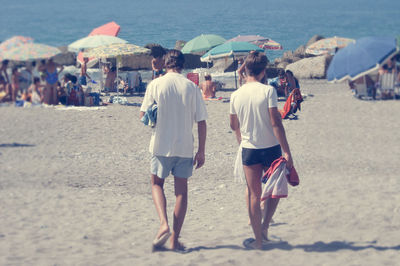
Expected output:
(94, 41)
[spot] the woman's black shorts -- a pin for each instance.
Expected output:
(261, 156)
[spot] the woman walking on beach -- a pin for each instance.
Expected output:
(255, 117)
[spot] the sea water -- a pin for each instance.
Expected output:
(290, 22)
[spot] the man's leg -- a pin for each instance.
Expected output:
(157, 190)
(180, 210)
(253, 177)
(270, 206)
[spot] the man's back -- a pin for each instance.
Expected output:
(180, 104)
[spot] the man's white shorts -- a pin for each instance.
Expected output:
(162, 166)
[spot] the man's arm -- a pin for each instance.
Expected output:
(280, 134)
(235, 126)
(202, 133)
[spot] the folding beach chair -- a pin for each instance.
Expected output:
(386, 85)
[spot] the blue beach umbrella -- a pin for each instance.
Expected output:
(361, 58)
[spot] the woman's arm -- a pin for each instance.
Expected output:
(280, 134)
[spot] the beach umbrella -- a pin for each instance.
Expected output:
(202, 43)
(116, 50)
(13, 42)
(94, 41)
(271, 45)
(31, 51)
(110, 28)
(328, 45)
(230, 49)
(260, 41)
(360, 58)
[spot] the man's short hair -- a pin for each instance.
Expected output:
(207, 77)
(174, 59)
(255, 63)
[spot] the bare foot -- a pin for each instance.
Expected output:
(265, 234)
(176, 245)
(163, 230)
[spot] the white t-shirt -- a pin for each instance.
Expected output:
(180, 104)
(250, 103)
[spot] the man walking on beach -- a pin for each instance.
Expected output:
(254, 113)
(180, 104)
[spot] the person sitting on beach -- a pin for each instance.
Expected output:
(15, 84)
(3, 70)
(208, 87)
(5, 90)
(180, 105)
(292, 82)
(35, 90)
(84, 74)
(110, 79)
(262, 137)
(52, 72)
(157, 63)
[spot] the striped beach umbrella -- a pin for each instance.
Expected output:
(31, 51)
(271, 45)
(328, 45)
(260, 41)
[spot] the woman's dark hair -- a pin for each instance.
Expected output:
(207, 77)
(157, 51)
(5, 62)
(289, 72)
(174, 59)
(36, 80)
(73, 79)
(255, 63)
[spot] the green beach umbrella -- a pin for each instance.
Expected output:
(230, 49)
(202, 43)
(31, 51)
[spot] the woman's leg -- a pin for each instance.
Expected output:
(253, 177)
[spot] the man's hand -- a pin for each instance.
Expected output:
(289, 163)
(199, 159)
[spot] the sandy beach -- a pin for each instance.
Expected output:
(74, 188)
